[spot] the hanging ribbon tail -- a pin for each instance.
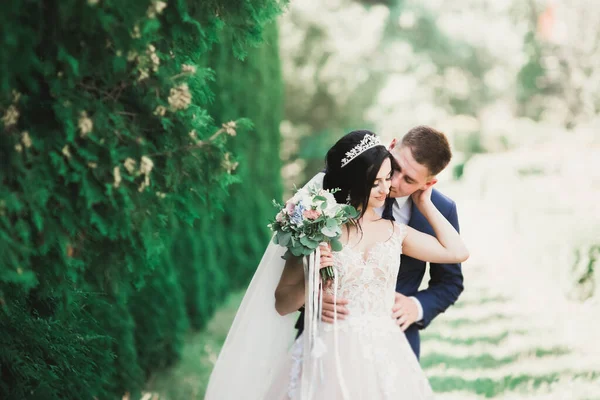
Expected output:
(314, 347)
(336, 344)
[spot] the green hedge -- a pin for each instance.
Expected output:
(111, 151)
(250, 207)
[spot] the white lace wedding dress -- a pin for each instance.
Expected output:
(375, 359)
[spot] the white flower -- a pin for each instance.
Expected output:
(26, 139)
(18, 147)
(11, 116)
(129, 165)
(151, 51)
(160, 110)
(136, 32)
(132, 55)
(160, 6)
(332, 205)
(155, 61)
(117, 176)
(188, 68)
(228, 164)
(157, 7)
(92, 165)
(66, 151)
(144, 184)
(85, 124)
(230, 128)
(180, 97)
(303, 196)
(93, 2)
(146, 165)
(193, 134)
(144, 74)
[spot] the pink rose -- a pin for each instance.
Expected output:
(312, 214)
(289, 207)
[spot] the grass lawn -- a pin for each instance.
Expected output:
(188, 379)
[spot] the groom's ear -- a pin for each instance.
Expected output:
(393, 144)
(430, 183)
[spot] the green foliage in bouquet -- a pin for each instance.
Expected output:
(110, 150)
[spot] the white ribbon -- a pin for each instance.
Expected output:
(314, 347)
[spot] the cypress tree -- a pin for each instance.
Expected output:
(105, 129)
(223, 248)
(250, 87)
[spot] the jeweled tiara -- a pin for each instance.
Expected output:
(367, 142)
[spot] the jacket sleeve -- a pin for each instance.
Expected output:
(445, 283)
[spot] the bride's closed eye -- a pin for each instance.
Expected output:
(387, 178)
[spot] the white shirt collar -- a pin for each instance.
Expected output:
(401, 201)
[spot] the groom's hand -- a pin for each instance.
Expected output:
(329, 307)
(405, 311)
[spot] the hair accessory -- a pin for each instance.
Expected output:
(367, 142)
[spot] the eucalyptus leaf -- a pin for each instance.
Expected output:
(332, 223)
(336, 245)
(309, 242)
(330, 232)
(297, 251)
(284, 238)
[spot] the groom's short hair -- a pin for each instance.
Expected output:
(429, 147)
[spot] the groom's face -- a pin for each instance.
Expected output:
(411, 177)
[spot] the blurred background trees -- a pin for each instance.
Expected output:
(485, 71)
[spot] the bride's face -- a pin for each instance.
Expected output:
(381, 186)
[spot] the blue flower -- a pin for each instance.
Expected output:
(298, 215)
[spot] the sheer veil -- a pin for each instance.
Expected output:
(258, 337)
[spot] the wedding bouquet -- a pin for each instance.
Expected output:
(310, 217)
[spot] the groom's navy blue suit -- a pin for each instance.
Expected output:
(446, 280)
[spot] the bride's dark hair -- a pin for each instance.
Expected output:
(354, 180)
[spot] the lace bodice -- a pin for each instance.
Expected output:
(368, 280)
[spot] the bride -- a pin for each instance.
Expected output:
(366, 355)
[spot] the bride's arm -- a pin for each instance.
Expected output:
(443, 248)
(289, 294)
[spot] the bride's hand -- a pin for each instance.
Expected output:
(326, 255)
(422, 198)
(326, 261)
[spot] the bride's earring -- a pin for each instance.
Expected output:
(348, 198)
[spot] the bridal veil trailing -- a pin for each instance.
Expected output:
(258, 337)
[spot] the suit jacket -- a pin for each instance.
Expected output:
(446, 280)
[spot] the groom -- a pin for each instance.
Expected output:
(421, 154)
